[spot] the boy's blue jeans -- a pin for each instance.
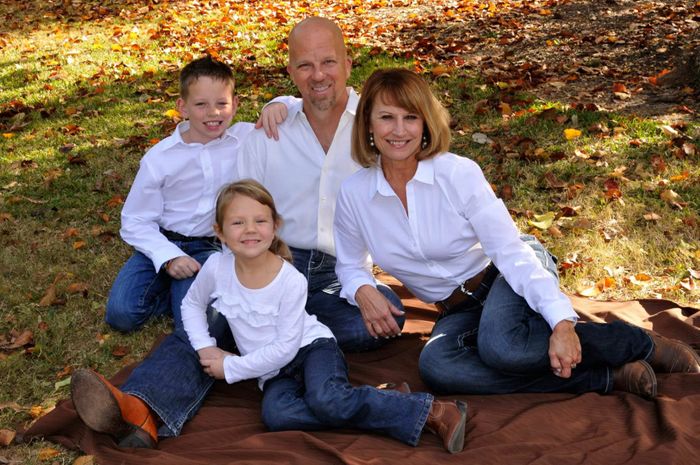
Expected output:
(313, 392)
(171, 380)
(139, 293)
(502, 347)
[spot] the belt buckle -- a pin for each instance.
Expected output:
(464, 290)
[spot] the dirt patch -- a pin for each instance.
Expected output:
(613, 53)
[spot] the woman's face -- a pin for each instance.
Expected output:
(397, 132)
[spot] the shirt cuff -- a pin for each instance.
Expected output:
(230, 369)
(348, 291)
(555, 314)
(203, 343)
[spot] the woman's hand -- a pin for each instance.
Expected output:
(182, 267)
(564, 349)
(377, 312)
(272, 116)
(212, 361)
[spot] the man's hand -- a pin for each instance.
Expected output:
(377, 312)
(272, 116)
(212, 361)
(183, 267)
(564, 349)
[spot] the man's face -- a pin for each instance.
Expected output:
(319, 66)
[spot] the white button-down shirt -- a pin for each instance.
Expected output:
(454, 225)
(175, 189)
(302, 178)
(269, 324)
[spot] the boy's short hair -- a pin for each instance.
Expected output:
(204, 67)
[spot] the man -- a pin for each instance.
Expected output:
(304, 171)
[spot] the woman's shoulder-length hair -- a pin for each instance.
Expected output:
(405, 89)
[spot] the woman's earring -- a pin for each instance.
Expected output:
(371, 139)
(424, 142)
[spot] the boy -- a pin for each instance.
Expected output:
(168, 214)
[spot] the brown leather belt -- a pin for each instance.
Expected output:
(473, 290)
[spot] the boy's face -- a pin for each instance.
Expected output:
(210, 106)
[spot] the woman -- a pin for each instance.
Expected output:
(430, 218)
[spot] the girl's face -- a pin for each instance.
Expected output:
(247, 228)
(397, 132)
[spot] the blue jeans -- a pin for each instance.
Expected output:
(171, 380)
(324, 301)
(502, 347)
(313, 392)
(139, 293)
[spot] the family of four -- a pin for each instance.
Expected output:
(355, 181)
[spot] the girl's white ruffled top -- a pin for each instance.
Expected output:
(269, 324)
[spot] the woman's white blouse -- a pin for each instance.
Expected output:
(269, 324)
(455, 224)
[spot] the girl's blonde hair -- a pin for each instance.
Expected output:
(256, 191)
(405, 89)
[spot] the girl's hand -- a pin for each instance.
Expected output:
(212, 361)
(182, 267)
(564, 349)
(377, 312)
(272, 116)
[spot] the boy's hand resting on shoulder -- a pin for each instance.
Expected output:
(273, 114)
(212, 361)
(182, 267)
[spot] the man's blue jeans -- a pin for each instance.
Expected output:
(503, 347)
(313, 392)
(171, 380)
(139, 293)
(324, 301)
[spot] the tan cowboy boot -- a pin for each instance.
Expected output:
(447, 419)
(105, 409)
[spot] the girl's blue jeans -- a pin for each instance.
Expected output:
(502, 347)
(313, 392)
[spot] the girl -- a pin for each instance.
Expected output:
(299, 366)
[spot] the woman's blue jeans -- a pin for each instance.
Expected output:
(313, 392)
(502, 347)
(171, 380)
(139, 293)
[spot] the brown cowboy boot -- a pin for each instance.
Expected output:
(637, 378)
(672, 356)
(105, 409)
(447, 420)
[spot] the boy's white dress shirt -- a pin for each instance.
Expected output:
(455, 224)
(269, 325)
(175, 189)
(303, 179)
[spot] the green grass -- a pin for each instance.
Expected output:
(104, 85)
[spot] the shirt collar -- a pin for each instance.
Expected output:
(425, 173)
(176, 137)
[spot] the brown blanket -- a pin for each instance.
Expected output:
(504, 429)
